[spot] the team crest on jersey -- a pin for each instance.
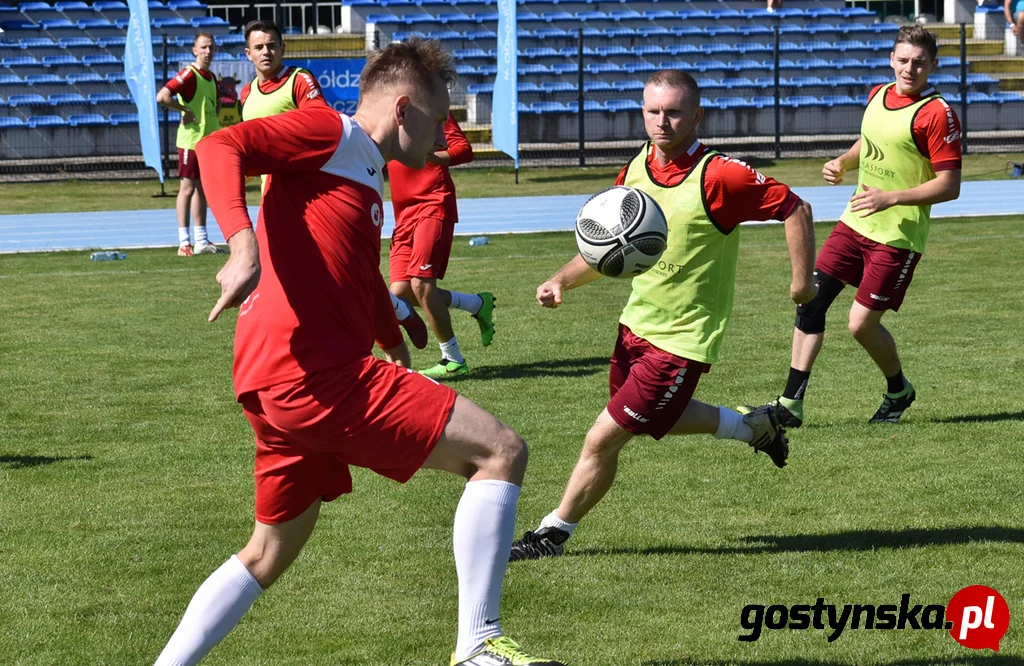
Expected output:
(375, 215)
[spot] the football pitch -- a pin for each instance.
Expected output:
(126, 474)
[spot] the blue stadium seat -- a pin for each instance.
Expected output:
(178, 5)
(173, 22)
(76, 43)
(558, 86)
(99, 99)
(56, 61)
(670, 64)
(627, 15)
(33, 99)
(86, 119)
(757, 13)
(208, 22)
(382, 19)
(602, 67)
(659, 15)
(1001, 96)
(466, 54)
(100, 59)
(597, 86)
(47, 121)
(872, 79)
(65, 99)
(58, 24)
(619, 31)
(801, 100)
(808, 63)
(541, 52)
(10, 80)
(719, 30)
(124, 119)
(487, 70)
(460, 69)
(840, 81)
(104, 6)
(480, 88)
(12, 122)
(605, 51)
(763, 101)
(18, 25)
(573, 51)
(744, 65)
(110, 42)
(481, 34)
(233, 39)
(85, 77)
(821, 12)
(738, 82)
(748, 30)
(563, 68)
(846, 63)
(640, 67)
(753, 47)
(710, 49)
(623, 105)
(115, 77)
(839, 100)
(19, 61)
(734, 103)
(648, 49)
(805, 81)
(653, 31)
(534, 68)
(551, 33)
(681, 49)
(550, 17)
(548, 107)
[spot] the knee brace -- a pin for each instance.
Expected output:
(810, 317)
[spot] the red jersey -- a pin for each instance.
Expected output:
(321, 300)
(305, 90)
(429, 192)
(184, 82)
(936, 127)
(733, 192)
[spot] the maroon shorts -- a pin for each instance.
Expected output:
(188, 164)
(420, 248)
(650, 388)
(368, 413)
(881, 273)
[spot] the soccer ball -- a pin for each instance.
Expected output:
(621, 232)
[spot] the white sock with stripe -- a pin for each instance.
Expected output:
(450, 351)
(470, 303)
(201, 236)
(183, 236)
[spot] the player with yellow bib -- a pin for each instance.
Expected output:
(908, 158)
(193, 93)
(671, 330)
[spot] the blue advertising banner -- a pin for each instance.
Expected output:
(338, 77)
(141, 78)
(505, 108)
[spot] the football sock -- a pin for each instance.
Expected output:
(482, 539)
(201, 236)
(402, 311)
(471, 303)
(450, 351)
(796, 385)
(183, 236)
(215, 609)
(731, 426)
(897, 384)
(552, 520)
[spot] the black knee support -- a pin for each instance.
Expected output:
(810, 317)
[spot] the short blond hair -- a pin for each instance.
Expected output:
(417, 61)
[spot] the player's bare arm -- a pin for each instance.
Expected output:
(574, 274)
(944, 187)
(240, 274)
(800, 240)
(1008, 12)
(399, 356)
(166, 98)
(834, 170)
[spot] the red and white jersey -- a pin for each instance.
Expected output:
(733, 191)
(305, 90)
(184, 82)
(321, 300)
(936, 127)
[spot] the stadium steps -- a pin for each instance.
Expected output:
(975, 47)
(943, 31)
(1011, 81)
(478, 134)
(324, 45)
(997, 65)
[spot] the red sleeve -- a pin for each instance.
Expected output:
(736, 193)
(385, 323)
(244, 95)
(306, 91)
(300, 140)
(937, 135)
(621, 180)
(183, 83)
(874, 91)
(459, 149)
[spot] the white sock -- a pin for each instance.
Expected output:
(552, 520)
(482, 540)
(450, 350)
(471, 303)
(183, 236)
(731, 426)
(402, 310)
(215, 609)
(201, 236)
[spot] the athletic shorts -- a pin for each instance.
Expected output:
(188, 164)
(880, 272)
(368, 413)
(420, 248)
(650, 388)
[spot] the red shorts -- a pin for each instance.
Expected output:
(420, 248)
(880, 272)
(188, 164)
(368, 413)
(650, 388)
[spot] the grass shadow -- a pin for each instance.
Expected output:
(24, 462)
(982, 418)
(578, 367)
(856, 540)
(966, 660)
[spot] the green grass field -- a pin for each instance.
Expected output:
(125, 474)
(90, 195)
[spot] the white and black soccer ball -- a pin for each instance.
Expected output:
(621, 231)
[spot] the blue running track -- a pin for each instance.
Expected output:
(156, 228)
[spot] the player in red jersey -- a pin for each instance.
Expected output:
(193, 93)
(672, 327)
(312, 303)
(908, 158)
(425, 218)
(264, 47)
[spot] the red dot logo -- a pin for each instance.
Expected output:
(980, 617)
